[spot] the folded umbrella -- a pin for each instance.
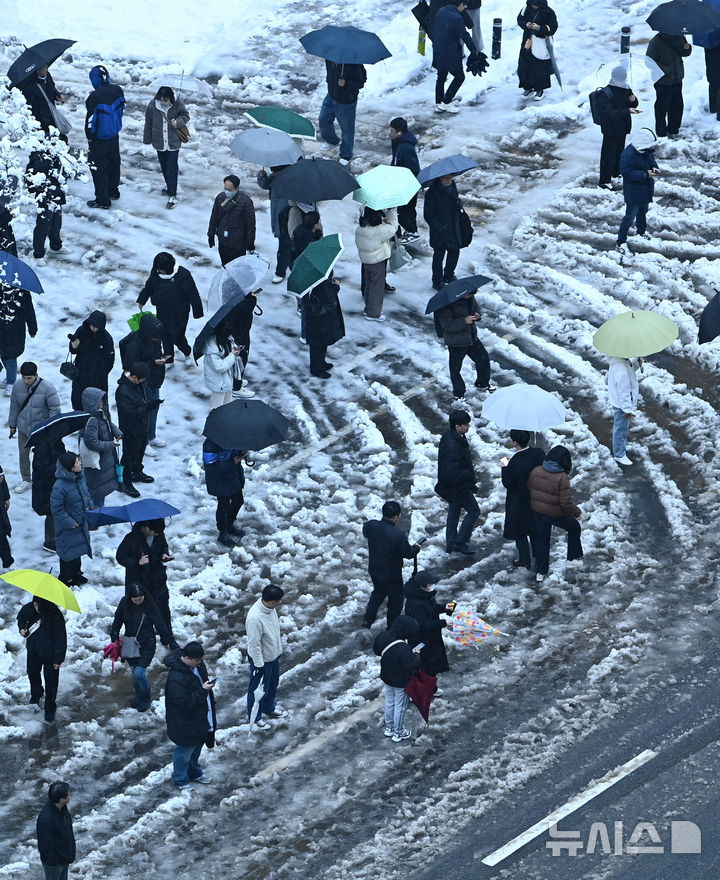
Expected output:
(524, 408)
(345, 45)
(456, 164)
(182, 82)
(455, 290)
(315, 264)
(37, 56)
(246, 425)
(314, 180)
(44, 585)
(283, 120)
(15, 273)
(386, 186)
(420, 689)
(214, 322)
(56, 427)
(684, 17)
(265, 146)
(137, 511)
(635, 334)
(239, 277)
(113, 652)
(709, 327)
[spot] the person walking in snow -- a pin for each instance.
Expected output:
(449, 34)
(264, 647)
(94, 351)
(46, 182)
(145, 345)
(616, 103)
(668, 52)
(144, 554)
(69, 500)
(55, 837)
(456, 483)
(344, 82)
(8, 195)
(442, 214)
(172, 290)
(420, 604)
(101, 436)
(16, 314)
(232, 221)
(32, 400)
(639, 170)
(42, 625)
(103, 122)
(373, 238)
(403, 144)
(324, 325)
(225, 480)
(398, 661)
(279, 218)
(515, 472)
(189, 713)
(5, 526)
(166, 120)
(623, 392)
(387, 547)
(538, 22)
(458, 323)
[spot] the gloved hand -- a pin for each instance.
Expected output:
(211, 241)
(477, 63)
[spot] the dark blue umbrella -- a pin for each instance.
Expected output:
(56, 427)
(15, 273)
(37, 56)
(684, 17)
(709, 327)
(136, 511)
(246, 424)
(450, 165)
(454, 291)
(314, 180)
(709, 39)
(345, 45)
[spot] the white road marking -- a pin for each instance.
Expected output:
(573, 804)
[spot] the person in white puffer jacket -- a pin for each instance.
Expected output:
(373, 238)
(623, 392)
(221, 365)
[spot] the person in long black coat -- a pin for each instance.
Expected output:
(537, 20)
(420, 604)
(44, 466)
(172, 290)
(146, 345)
(94, 351)
(240, 321)
(16, 313)
(38, 89)
(442, 214)
(324, 325)
(140, 616)
(712, 72)
(519, 522)
(144, 553)
(456, 483)
(42, 624)
(615, 104)
(5, 526)
(134, 406)
(225, 480)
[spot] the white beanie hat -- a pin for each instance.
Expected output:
(644, 139)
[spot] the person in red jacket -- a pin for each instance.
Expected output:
(552, 504)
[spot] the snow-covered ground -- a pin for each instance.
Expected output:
(315, 798)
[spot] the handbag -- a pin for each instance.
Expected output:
(68, 368)
(90, 458)
(183, 133)
(399, 256)
(539, 48)
(60, 120)
(134, 320)
(466, 229)
(129, 645)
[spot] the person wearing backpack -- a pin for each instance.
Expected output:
(614, 104)
(105, 106)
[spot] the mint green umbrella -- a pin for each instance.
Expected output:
(315, 264)
(386, 186)
(635, 334)
(283, 120)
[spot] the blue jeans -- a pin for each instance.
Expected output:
(10, 370)
(396, 703)
(633, 213)
(142, 685)
(621, 426)
(153, 394)
(543, 528)
(269, 674)
(461, 500)
(345, 115)
(185, 764)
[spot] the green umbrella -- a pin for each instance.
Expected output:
(283, 120)
(635, 334)
(44, 585)
(386, 186)
(315, 264)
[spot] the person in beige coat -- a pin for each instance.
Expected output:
(264, 647)
(373, 238)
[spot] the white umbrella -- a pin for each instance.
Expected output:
(524, 408)
(642, 72)
(183, 82)
(241, 275)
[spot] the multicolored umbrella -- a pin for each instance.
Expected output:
(44, 585)
(635, 334)
(283, 120)
(386, 186)
(315, 264)
(469, 629)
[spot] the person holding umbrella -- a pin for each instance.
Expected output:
(373, 237)
(44, 464)
(42, 625)
(69, 500)
(457, 322)
(538, 23)
(166, 122)
(420, 604)
(42, 95)
(442, 211)
(279, 217)
(102, 437)
(232, 221)
(344, 82)
(519, 523)
(324, 325)
(449, 33)
(145, 345)
(225, 480)
(221, 366)
(668, 51)
(623, 392)
(94, 351)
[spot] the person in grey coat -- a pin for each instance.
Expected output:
(102, 436)
(32, 400)
(163, 117)
(69, 500)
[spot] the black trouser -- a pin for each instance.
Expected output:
(5, 554)
(407, 218)
(36, 665)
(47, 225)
(133, 450)
(228, 507)
(7, 236)
(445, 97)
(612, 147)
(668, 109)
(104, 161)
(228, 254)
(394, 592)
(523, 546)
(161, 598)
(49, 531)
(318, 356)
(476, 352)
(70, 569)
(175, 338)
(168, 160)
(438, 274)
(284, 248)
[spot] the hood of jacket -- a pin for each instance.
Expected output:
(413, 590)
(407, 137)
(552, 467)
(91, 397)
(173, 661)
(403, 627)
(99, 75)
(62, 473)
(150, 327)
(97, 319)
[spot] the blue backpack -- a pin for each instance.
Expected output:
(106, 121)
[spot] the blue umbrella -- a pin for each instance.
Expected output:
(450, 165)
(37, 56)
(709, 39)
(345, 45)
(15, 273)
(709, 327)
(136, 511)
(455, 290)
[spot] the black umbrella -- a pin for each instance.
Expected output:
(211, 326)
(246, 424)
(709, 327)
(684, 17)
(455, 290)
(56, 427)
(314, 180)
(41, 55)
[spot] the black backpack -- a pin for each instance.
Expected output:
(596, 103)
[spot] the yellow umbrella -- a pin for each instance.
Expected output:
(43, 584)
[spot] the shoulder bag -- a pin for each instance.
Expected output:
(130, 646)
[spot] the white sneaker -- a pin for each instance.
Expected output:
(379, 318)
(153, 453)
(171, 202)
(8, 390)
(539, 95)
(539, 578)
(204, 779)
(278, 279)
(440, 108)
(157, 442)
(624, 460)
(303, 341)
(623, 250)
(262, 724)
(408, 237)
(451, 108)
(344, 161)
(325, 147)
(401, 735)
(243, 392)
(438, 692)
(389, 731)
(23, 486)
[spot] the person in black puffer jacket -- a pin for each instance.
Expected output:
(420, 604)
(55, 837)
(398, 661)
(144, 553)
(44, 465)
(43, 625)
(615, 104)
(94, 351)
(324, 325)
(225, 480)
(442, 214)
(146, 345)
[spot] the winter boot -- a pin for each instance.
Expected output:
(129, 489)
(225, 539)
